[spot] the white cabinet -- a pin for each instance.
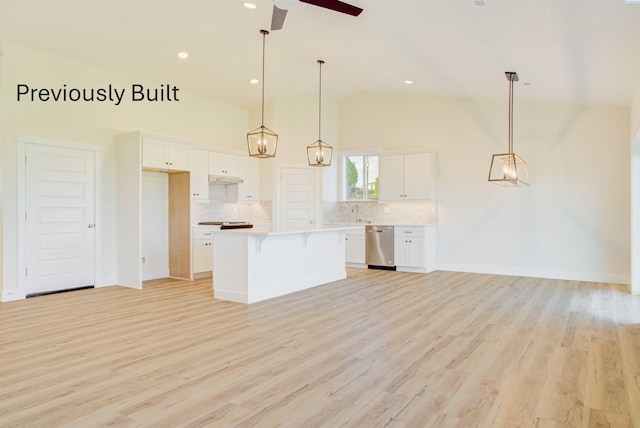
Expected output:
(164, 155)
(407, 177)
(355, 247)
(414, 248)
(409, 252)
(223, 164)
(202, 250)
(249, 189)
(391, 181)
(199, 167)
(249, 171)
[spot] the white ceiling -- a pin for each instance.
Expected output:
(569, 51)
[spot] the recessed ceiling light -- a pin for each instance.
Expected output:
(249, 5)
(254, 81)
(183, 55)
(409, 82)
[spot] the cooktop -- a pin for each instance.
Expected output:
(220, 223)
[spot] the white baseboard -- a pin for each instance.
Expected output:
(413, 269)
(106, 281)
(356, 265)
(538, 273)
(155, 274)
(10, 295)
(232, 296)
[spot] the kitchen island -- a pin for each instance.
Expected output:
(250, 265)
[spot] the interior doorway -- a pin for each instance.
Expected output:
(59, 218)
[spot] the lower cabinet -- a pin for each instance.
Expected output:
(415, 248)
(202, 250)
(409, 252)
(355, 246)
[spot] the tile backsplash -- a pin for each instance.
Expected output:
(380, 213)
(218, 209)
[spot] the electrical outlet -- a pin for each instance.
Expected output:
(144, 260)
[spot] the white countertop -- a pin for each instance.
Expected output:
(362, 224)
(264, 231)
(212, 226)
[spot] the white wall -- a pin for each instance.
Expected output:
(573, 222)
(204, 120)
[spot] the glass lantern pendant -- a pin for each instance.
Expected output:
(319, 153)
(509, 169)
(262, 142)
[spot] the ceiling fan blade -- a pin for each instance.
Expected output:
(277, 18)
(336, 5)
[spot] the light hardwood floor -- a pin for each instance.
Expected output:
(377, 349)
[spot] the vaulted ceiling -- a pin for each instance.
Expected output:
(566, 51)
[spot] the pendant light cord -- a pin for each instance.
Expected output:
(320, 101)
(511, 114)
(264, 37)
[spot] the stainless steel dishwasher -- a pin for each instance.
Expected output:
(379, 247)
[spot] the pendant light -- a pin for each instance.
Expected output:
(262, 142)
(319, 153)
(509, 169)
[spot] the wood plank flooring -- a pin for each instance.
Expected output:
(379, 349)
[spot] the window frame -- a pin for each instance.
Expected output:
(343, 172)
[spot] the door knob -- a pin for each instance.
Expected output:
(91, 226)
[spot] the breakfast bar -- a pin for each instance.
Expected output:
(250, 265)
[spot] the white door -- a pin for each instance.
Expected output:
(297, 198)
(59, 218)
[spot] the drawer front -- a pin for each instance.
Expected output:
(408, 231)
(203, 233)
(355, 232)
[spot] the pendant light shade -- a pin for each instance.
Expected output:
(508, 169)
(319, 153)
(262, 142)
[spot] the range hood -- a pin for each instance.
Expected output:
(225, 179)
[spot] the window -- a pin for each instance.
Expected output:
(360, 177)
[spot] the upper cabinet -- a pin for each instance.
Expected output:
(249, 189)
(223, 164)
(407, 177)
(199, 167)
(249, 171)
(164, 155)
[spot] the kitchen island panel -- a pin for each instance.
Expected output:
(250, 267)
